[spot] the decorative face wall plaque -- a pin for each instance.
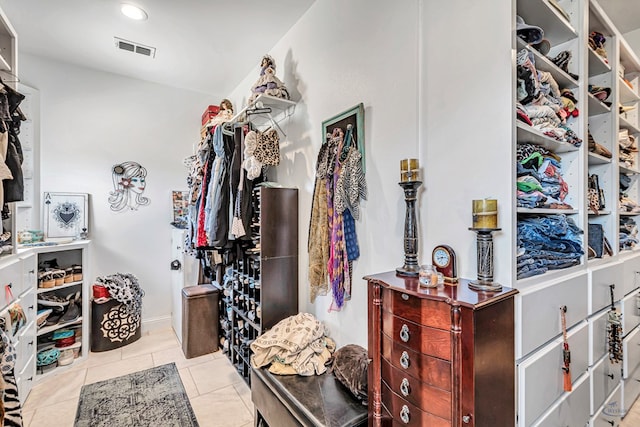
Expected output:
(129, 182)
(66, 215)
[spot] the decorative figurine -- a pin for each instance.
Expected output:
(268, 83)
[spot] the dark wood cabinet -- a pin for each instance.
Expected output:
(262, 287)
(441, 357)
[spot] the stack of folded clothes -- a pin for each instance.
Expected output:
(628, 148)
(628, 233)
(549, 242)
(540, 184)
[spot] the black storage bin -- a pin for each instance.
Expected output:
(199, 320)
(112, 325)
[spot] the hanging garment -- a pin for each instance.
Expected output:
(351, 185)
(218, 212)
(318, 242)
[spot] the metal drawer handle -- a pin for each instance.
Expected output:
(30, 307)
(466, 419)
(30, 342)
(404, 387)
(610, 376)
(611, 422)
(32, 271)
(30, 379)
(405, 415)
(404, 333)
(404, 360)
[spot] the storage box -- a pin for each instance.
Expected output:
(210, 112)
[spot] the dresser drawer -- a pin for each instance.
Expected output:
(427, 398)
(407, 414)
(631, 274)
(600, 281)
(539, 311)
(631, 352)
(605, 376)
(541, 379)
(431, 313)
(630, 312)
(432, 371)
(29, 305)
(29, 272)
(631, 390)
(26, 378)
(598, 336)
(25, 346)
(10, 274)
(572, 410)
(611, 412)
(434, 342)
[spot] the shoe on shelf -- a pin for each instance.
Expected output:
(51, 300)
(58, 276)
(77, 273)
(66, 357)
(46, 280)
(68, 275)
(42, 315)
(73, 310)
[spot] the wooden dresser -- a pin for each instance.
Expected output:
(440, 357)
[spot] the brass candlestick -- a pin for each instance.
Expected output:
(484, 247)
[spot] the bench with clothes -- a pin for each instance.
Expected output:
(294, 400)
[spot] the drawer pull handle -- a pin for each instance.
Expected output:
(466, 419)
(30, 379)
(405, 297)
(405, 415)
(404, 360)
(10, 285)
(32, 272)
(31, 307)
(404, 387)
(611, 422)
(30, 342)
(404, 333)
(610, 376)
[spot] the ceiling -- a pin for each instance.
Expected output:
(625, 14)
(202, 45)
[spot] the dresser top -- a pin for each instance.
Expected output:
(460, 294)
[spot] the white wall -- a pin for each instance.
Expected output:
(633, 38)
(337, 55)
(432, 89)
(92, 120)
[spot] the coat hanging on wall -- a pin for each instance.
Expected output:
(129, 183)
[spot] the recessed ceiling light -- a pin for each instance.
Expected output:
(133, 12)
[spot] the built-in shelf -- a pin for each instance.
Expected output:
(532, 135)
(596, 106)
(556, 27)
(4, 65)
(625, 124)
(597, 159)
(629, 214)
(48, 329)
(543, 63)
(66, 285)
(592, 213)
(597, 64)
(629, 171)
(626, 94)
(547, 211)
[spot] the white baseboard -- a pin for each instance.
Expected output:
(156, 323)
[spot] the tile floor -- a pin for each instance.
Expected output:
(219, 396)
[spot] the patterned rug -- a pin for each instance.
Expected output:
(154, 397)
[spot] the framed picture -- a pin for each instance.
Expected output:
(180, 205)
(353, 116)
(66, 215)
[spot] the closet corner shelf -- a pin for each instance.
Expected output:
(547, 211)
(628, 58)
(629, 213)
(52, 328)
(596, 106)
(597, 65)
(594, 262)
(539, 12)
(66, 285)
(629, 171)
(627, 95)
(532, 135)
(548, 276)
(597, 159)
(543, 63)
(4, 65)
(628, 125)
(600, 213)
(277, 105)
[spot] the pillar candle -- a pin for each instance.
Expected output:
(409, 170)
(485, 213)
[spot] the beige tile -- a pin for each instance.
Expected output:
(175, 355)
(214, 375)
(57, 388)
(218, 355)
(27, 416)
(61, 414)
(98, 359)
(221, 408)
(119, 368)
(187, 382)
(245, 394)
(147, 344)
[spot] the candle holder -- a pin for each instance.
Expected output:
(484, 247)
(410, 267)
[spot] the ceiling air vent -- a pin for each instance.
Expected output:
(135, 47)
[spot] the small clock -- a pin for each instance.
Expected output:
(444, 259)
